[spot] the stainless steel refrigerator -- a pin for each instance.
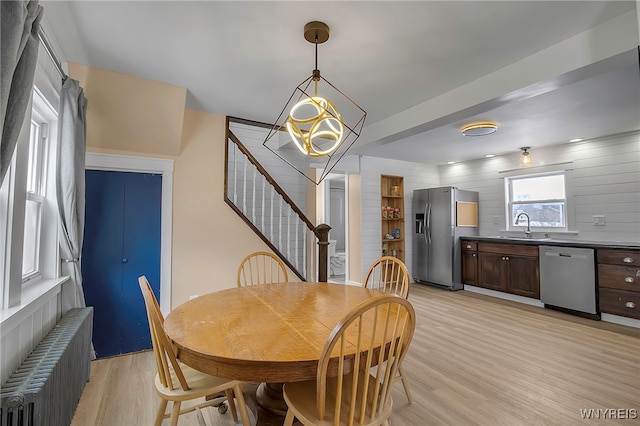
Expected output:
(442, 216)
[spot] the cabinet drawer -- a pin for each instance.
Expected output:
(620, 302)
(620, 277)
(469, 245)
(619, 257)
(509, 249)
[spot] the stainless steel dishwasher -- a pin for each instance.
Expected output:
(567, 278)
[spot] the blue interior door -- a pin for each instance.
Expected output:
(121, 242)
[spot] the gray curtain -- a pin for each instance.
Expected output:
(20, 21)
(72, 135)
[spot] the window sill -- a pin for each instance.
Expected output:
(33, 297)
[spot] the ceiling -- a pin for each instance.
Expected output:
(244, 59)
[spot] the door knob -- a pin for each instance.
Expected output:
(125, 260)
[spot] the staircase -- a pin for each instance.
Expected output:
(273, 213)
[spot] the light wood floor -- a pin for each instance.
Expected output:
(474, 360)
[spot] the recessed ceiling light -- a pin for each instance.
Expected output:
(489, 155)
(575, 140)
(451, 162)
(480, 128)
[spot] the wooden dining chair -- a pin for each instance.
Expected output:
(261, 267)
(177, 382)
(344, 392)
(389, 274)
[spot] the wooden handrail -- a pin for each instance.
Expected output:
(321, 231)
(271, 181)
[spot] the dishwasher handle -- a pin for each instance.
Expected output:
(560, 254)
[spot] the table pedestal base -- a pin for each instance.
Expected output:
(269, 396)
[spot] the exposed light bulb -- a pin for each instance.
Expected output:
(525, 157)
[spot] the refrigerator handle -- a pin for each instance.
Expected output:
(425, 223)
(428, 227)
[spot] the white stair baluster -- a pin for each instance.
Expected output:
(280, 223)
(235, 177)
(264, 189)
(271, 214)
(304, 252)
(244, 187)
(289, 209)
(253, 196)
(296, 249)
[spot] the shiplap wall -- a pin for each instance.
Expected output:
(22, 334)
(603, 178)
(416, 176)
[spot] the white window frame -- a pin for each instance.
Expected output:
(510, 221)
(36, 185)
(13, 198)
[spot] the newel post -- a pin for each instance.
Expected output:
(322, 231)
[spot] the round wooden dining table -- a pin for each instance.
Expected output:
(271, 333)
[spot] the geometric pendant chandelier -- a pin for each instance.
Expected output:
(319, 123)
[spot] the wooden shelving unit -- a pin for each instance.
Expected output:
(392, 215)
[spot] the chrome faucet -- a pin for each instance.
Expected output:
(527, 232)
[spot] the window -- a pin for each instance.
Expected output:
(541, 197)
(35, 197)
(28, 220)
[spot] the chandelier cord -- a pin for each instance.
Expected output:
(316, 71)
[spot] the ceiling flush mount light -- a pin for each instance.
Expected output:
(525, 157)
(319, 123)
(480, 128)
(575, 140)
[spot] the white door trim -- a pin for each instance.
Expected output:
(126, 163)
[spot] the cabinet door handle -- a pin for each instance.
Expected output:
(627, 260)
(474, 255)
(630, 305)
(629, 280)
(506, 258)
(468, 246)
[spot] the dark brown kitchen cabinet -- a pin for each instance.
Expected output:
(524, 276)
(512, 268)
(492, 271)
(469, 262)
(619, 282)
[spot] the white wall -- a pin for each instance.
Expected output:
(416, 176)
(603, 178)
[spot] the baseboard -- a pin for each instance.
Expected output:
(506, 296)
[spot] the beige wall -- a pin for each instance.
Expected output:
(127, 113)
(355, 229)
(209, 239)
